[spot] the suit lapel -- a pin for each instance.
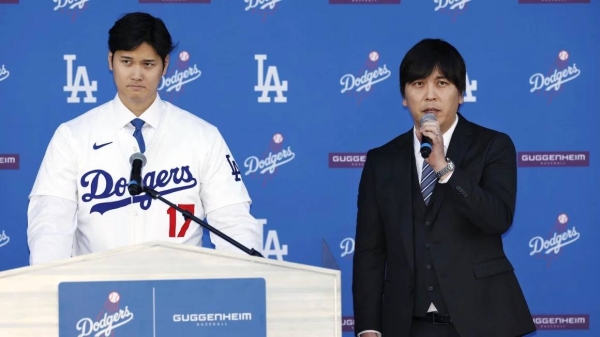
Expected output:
(459, 145)
(402, 187)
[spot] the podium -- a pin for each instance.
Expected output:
(299, 300)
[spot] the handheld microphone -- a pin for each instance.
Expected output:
(137, 161)
(425, 141)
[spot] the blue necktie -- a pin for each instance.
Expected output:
(428, 179)
(137, 134)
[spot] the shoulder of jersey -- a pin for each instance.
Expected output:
(185, 119)
(90, 119)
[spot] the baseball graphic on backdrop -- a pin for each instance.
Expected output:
(184, 56)
(113, 297)
(563, 55)
(374, 56)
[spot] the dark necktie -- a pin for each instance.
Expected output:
(428, 180)
(137, 134)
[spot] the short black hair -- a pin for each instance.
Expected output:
(133, 29)
(430, 54)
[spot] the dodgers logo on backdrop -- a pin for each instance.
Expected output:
(561, 235)
(102, 185)
(563, 71)
(4, 239)
(184, 74)
(368, 76)
(9, 161)
(364, 2)
(272, 245)
(275, 156)
(81, 82)
(451, 7)
(263, 7)
(4, 73)
(450, 4)
(347, 247)
(71, 4)
(105, 324)
(269, 82)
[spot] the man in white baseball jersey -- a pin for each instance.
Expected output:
(80, 203)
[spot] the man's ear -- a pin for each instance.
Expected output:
(166, 65)
(110, 59)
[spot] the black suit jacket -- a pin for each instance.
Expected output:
(467, 215)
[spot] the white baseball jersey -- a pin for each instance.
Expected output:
(87, 162)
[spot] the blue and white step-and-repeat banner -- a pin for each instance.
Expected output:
(301, 89)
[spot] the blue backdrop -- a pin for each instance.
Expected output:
(333, 74)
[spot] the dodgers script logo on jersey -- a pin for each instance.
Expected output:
(269, 82)
(182, 178)
(81, 82)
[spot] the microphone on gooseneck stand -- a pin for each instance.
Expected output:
(425, 141)
(137, 161)
(136, 187)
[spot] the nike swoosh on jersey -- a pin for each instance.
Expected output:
(96, 147)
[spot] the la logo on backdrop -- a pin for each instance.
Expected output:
(79, 82)
(182, 72)
(269, 82)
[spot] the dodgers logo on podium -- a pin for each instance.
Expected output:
(215, 307)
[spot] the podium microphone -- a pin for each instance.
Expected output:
(425, 141)
(137, 161)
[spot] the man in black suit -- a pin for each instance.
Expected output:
(429, 259)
